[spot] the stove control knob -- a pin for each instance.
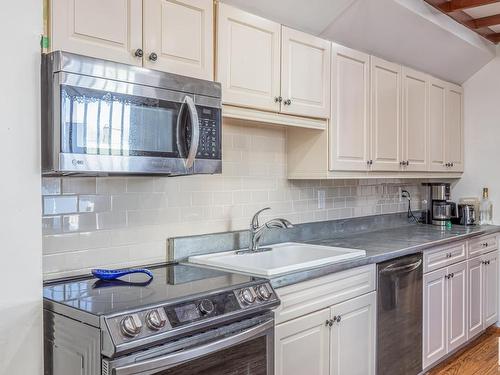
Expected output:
(246, 296)
(206, 307)
(155, 320)
(131, 325)
(262, 292)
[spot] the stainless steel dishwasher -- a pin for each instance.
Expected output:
(399, 316)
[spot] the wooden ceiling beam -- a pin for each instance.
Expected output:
(485, 21)
(494, 38)
(454, 5)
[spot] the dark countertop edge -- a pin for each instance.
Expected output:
(281, 281)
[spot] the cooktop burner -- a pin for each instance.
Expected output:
(170, 283)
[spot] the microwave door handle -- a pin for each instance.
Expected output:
(153, 365)
(195, 136)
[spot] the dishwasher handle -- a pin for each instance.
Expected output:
(391, 268)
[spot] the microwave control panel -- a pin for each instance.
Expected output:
(210, 133)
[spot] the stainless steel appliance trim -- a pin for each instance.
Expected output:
(195, 136)
(391, 268)
(74, 313)
(440, 192)
(170, 360)
(83, 65)
(127, 347)
(82, 163)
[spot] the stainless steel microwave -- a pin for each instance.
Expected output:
(103, 118)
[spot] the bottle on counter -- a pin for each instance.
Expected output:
(485, 209)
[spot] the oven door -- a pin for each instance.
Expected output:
(118, 127)
(235, 351)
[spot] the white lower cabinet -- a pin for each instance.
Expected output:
(490, 277)
(445, 311)
(483, 292)
(460, 298)
(435, 316)
(339, 340)
(302, 345)
(352, 343)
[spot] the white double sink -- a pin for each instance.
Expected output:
(282, 258)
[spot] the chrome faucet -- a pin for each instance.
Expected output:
(257, 230)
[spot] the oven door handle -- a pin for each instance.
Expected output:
(167, 361)
(195, 136)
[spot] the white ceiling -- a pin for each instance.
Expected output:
(406, 31)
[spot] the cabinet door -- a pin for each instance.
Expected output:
(349, 135)
(180, 33)
(437, 122)
(305, 74)
(110, 29)
(475, 279)
(415, 120)
(353, 337)
(490, 288)
(435, 316)
(301, 345)
(248, 59)
(385, 115)
(454, 133)
(457, 305)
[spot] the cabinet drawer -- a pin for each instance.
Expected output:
(481, 245)
(313, 295)
(444, 256)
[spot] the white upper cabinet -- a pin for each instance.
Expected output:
(305, 74)
(437, 124)
(386, 115)
(110, 29)
(178, 37)
(415, 120)
(454, 131)
(350, 111)
(248, 59)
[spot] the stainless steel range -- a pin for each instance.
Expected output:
(186, 320)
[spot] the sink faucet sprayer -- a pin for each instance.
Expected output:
(257, 230)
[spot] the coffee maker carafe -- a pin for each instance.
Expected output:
(439, 210)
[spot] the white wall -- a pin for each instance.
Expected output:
(482, 136)
(20, 227)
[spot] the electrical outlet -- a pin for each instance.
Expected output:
(321, 199)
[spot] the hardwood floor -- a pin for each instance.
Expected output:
(480, 357)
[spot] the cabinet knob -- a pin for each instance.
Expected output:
(138, 52)
(278, 99)
(287, 102)
(153, 56)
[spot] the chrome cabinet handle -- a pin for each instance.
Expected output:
(153, 56)
(278, 99)
(287, 102)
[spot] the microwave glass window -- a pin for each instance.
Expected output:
(102, 123)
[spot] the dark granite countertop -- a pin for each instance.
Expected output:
(384, 244)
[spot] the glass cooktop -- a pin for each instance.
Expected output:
(170, 283)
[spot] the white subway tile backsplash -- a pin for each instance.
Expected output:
(119, 221)
(94, 203)
(51, 186)
(60, 204)
(79, 185)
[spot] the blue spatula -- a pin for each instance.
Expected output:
(104, 274)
